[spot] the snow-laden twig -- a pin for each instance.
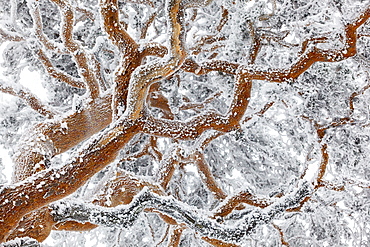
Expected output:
(75, 49)
(31, 99)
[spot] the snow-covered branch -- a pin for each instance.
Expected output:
(126, 215)
(76, 50)
(28, 97)
(188, 77)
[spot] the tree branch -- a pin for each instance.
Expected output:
(244, 196)
(125, 216)
(147, 74)
(100, 152)
(144, 30)
(29, 98)
(56, 73)
(38, 27)
(130, 58)
(112, 26)
(195, 126)
(10, 36)
(207, 176)
(75, 49)
(167, 168)
(175, 236)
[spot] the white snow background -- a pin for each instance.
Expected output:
(32, 81)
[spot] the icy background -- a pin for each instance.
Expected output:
(265, 155)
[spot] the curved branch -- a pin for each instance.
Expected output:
(38, 27)
(154, 49)
(147, 74)
(124, 216)
(304, 62)
(195, 126)
(112, 26)
(244, 196)
(130, 58)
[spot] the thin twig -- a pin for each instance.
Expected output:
(38, 27)
(281, 233)
(207, 177)
(75, 49)
(29, 98)
(144, 29)
(56, 73)
(10, 36)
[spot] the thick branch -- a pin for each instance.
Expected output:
(45, 140)
(147, 74)
(130, 57)
(101, 151)
(112, 26)
(123, 216)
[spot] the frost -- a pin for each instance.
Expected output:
(22, 242)
(269, 160)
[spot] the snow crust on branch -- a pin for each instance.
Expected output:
(124, 216)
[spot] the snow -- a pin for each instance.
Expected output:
(7, 163)
(5, 99)
(32, 81)
(267, 152)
